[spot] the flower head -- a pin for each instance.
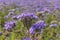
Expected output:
(53, 25)
(10, 13)
(31, 15)
(38, 25)
(5, 17)
(27, 38)
(9, 25)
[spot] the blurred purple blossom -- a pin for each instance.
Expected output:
(57, 7)
(53, 25)
(38, 25)
(31, 15)
(27, 38)
(10, 13)
(35, 5)
(9, 25)
(14, 17)
(5, 17)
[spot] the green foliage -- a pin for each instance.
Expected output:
(12, 36)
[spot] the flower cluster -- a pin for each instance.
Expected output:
(35, 5)
(10, 13)
(53, 24)
(37, 26)
(27, 38)
(31, 15)
(9, 25)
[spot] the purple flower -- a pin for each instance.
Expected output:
(5, 17)
(57, 7)
(53, 25)
(9, 25)
(14, 17)
(10, 13)
(31, 15)
(19, 16)
(27, 38)
(31, 30)
(38, 25)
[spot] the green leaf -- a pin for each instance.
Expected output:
(12, 36)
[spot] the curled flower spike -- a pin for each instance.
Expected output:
(37, 26)
(9, 25)
(31, 15)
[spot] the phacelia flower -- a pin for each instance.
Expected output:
(14, 17)
(10, 13)
(38, 25)
(31, 15)
(5, 17)
(53, 25)
(27, 38)
(9, 25)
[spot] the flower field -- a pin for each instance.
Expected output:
(29, 19)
